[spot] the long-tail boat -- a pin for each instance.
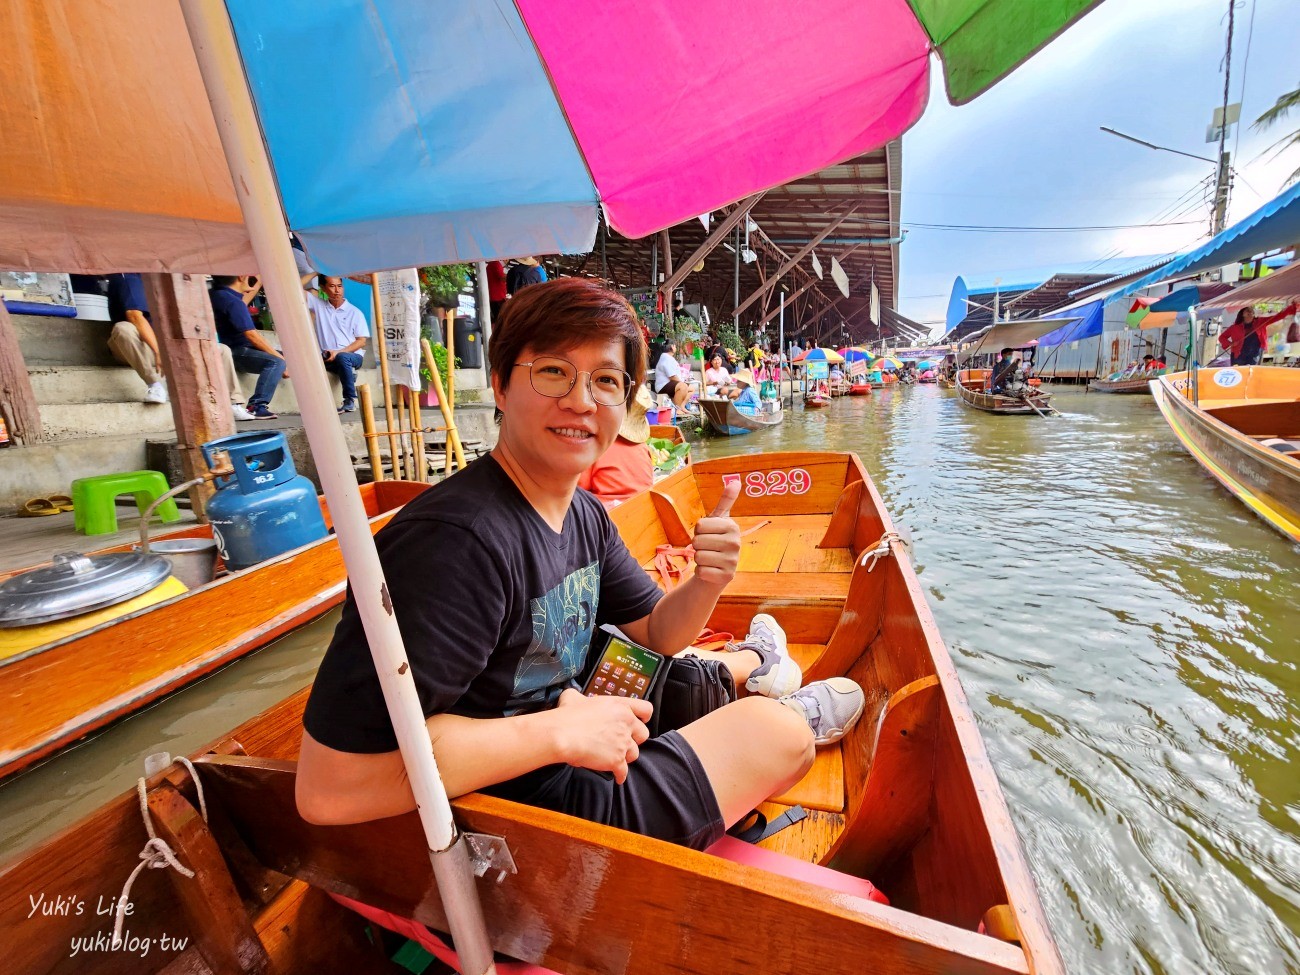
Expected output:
(907, 801)
(971, 385)
(58, 693)
(1242, 424)
(725, 419)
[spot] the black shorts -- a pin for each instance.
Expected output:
(666, 795)
(669, 387)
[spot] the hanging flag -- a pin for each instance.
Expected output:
(875, 304)
(839, 277)
(399, 302)
(705, 219)
(817, 267)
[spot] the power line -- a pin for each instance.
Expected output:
(996, 229)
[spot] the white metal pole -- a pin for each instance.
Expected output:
(484, 311)
(218, 56)
(780, 345)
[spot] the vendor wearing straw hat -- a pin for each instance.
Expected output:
(747, 402)
(625, 469)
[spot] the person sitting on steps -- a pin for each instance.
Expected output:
(249, 349)
(342, 332)
(495, 651)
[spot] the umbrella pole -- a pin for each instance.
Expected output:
(250, 169)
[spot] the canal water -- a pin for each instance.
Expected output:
(1128, 636)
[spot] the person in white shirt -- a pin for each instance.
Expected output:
(668, 377)
(341, 331)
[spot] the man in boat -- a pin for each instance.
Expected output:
(1002, 371)
(496, 643)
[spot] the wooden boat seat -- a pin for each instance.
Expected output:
(823, 786)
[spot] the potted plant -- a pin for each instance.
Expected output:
(441, 284)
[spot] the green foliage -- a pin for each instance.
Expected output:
(441, 283)
(439, 356)
(729, 338)
(1281, 109)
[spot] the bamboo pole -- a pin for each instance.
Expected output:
(381, 349)
(450, 332)
(400, 396)
(448, 417)
(417, 439)
(212, 38)
(368, 430)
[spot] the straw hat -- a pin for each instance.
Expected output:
(744, 376)
(636, 428)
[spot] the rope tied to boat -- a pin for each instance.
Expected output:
(670, 572)
(157, 854)
(875, 553)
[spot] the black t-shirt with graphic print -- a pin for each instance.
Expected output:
(497, 610)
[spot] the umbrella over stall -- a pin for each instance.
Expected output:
(388, 137)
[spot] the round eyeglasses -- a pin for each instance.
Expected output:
(555, 377)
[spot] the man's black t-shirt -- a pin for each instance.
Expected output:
(497, 610)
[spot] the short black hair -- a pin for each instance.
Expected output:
(224, 280)
(1007, 351)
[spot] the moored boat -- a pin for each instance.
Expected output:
(1137, 385)
(54, 694)
(724, 418)
(907, 800)
(1242, 425)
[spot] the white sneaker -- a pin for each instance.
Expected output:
(777, 673)
(156, 393)
(241, 412)
(831, 707)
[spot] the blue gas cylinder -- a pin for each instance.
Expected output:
(265, 508)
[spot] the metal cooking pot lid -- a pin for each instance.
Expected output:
(77, 584)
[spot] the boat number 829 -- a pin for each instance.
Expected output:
(794, 481)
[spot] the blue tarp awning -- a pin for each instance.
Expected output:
(1088, 325)
(1275, 224)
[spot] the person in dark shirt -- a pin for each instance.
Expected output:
(249, 349)
(496, 646)
(1002, 369)
(522, 273)
(133, 343)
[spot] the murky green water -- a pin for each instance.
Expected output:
(1127, 633)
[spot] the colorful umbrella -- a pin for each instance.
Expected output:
(924, 364)
(1192, 294)
(820, 355)
(889, 362)
(856, 353)
(1139, 310)
(403, 134)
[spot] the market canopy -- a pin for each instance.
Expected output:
(1015, 335)
(1275, 224)
(1279, 287)
(403, 133)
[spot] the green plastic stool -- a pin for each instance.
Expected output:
(92, 499)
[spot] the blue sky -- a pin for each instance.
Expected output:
(1029, 152)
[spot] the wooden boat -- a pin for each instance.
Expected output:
(946, 383)
(1139, 385)
(907, 799)
(860, 389)
(56, 694)
(1245, 431)
(725, 419)
(970, 387)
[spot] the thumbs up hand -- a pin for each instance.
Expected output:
(717, 539)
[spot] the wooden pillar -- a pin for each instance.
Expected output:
(17, 400)
(196, 381)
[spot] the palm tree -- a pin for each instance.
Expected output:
(1281, 108)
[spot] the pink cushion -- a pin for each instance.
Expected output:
(737, 851)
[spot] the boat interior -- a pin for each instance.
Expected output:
(1264, 407)
(907, 801)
